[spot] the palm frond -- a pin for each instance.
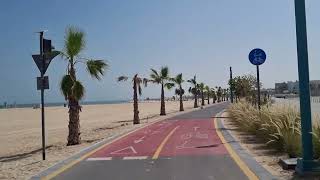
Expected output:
(179, 91)
(78, 90)
(155, 78)
(139, 89)
(122, 78)
(66, 86)
(178, 79)
(164, 72)
(74, 42)
(145, 82)
(169, 85)
(154, 72)
(96, 68)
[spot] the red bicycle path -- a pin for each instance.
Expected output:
(190, 137)
(185, 147)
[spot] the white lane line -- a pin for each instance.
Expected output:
(135, 157)
(100, 159)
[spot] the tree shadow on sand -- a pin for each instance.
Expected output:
(21, 155)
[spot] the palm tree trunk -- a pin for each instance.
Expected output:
(74, 121)
(136, 119)
(195, 101)
(181, 102)
(163, 106)
(208, 98)
(202, 98)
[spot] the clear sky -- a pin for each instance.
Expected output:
(202, 37)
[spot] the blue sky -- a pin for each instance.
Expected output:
(201, 37)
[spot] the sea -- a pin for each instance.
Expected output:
(314, 102)
(57, 104)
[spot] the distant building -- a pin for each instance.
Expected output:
(315, 87)
(291, 87)
(280, 88)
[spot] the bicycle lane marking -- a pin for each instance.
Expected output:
(194, 137)
(140, 144)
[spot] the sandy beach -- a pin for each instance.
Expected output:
(20, 132)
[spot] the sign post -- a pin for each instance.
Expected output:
(257, 57)
(231, 85)
(42, 61)
(306, 164)
(42, 99)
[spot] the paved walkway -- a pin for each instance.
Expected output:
(185, 147)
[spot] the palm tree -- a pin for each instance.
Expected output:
(194, 90)
(201, 88)
(162, 77)
(72, 89)
(179, 91)
(137, 81)
(213, 94)
(208, 92)
(219, 93)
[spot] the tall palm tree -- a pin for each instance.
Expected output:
(201, 88)
(208, 92)
(178, 80)
(137, 81)
(72, 89)
(162, 77)
(194, 90)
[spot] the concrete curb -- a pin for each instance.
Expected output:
(254, 166)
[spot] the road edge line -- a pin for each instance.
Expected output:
(243, 166)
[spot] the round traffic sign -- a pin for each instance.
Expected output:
(257, 56)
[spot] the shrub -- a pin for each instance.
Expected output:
(278, 126)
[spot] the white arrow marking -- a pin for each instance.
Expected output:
(195, 128)
(121, 151)
(139, 140)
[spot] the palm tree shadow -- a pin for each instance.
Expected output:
(21, 155)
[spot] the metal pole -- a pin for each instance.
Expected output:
(42, 98)
(258, 86)
(303, 69)
(231, 85)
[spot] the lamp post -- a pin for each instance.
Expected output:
(306, 164)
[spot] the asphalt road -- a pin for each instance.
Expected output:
(185, 147)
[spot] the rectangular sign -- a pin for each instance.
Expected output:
(42, 83)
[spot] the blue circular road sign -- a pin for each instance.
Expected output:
(257, 56)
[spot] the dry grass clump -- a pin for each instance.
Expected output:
(279, 126)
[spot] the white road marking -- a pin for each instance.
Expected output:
(155, 132)
(139, 140)
(183, 146)
(122, 151)
(202, 136)
(186, 136)
(100, 159)
(135, 157)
